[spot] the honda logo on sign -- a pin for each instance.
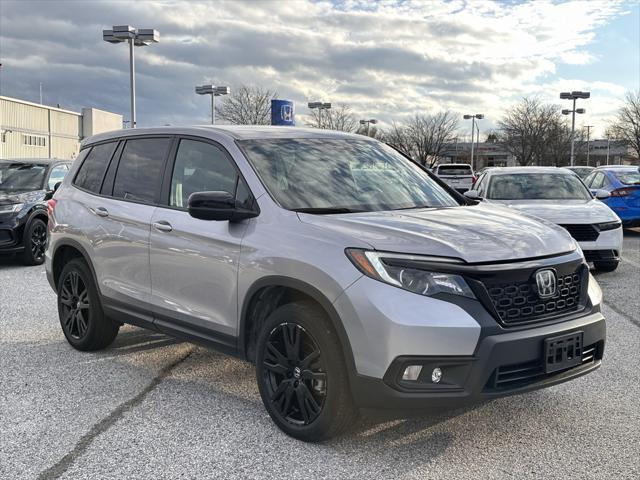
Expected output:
(546, 283)
(286, 113)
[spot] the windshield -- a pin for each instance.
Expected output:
(628, 177)
(454, 170)
(21, 177)
(334, 176)
(537, 186)
(582, 172)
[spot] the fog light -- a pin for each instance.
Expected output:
(412, 372)
(436, 375)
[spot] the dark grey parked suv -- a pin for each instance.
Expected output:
(349, 275)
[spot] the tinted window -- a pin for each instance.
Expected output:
(454, 170)
(597, 181)
(200, 167)
(57, 175)
(325, 176)
(537, 186)
(140, 169)
(21, 177)
(92, 170)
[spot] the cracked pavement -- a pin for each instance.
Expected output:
(153, 407)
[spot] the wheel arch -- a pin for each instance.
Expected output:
(273, 291)
(65, 251)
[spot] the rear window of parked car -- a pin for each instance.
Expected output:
(454, 170)
(140, 167)
(628, 177)
(91, 172)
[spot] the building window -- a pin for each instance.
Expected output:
(34, 140)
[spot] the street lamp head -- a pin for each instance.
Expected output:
(107, 36)
(217, 91)
(579, 94)
(373, 120)
(314, 104)
(124, 32)
(205, 90)
(480, 116)
(326, 106)
(565, 95)
(148, 35)
(581, 110)
(466, 117)
(363, 122)
(566, 112)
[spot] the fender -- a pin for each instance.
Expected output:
(69, 242)
(311, 291)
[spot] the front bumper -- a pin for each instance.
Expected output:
(11, 229)
(607, 246)
(472, 379)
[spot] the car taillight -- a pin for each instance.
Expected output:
(621, 192)
(51, 206)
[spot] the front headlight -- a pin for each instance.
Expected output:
(15, 207)
(404, 271)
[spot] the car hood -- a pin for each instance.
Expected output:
(479, 233)
(10, 198)
(563, 212)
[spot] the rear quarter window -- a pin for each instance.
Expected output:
(628, 177)
(91, 172)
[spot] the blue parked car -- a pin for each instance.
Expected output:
(623, 185)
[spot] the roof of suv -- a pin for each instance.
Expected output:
(508, 170)
(236, 132)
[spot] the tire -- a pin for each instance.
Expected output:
(35, 242)
(316, 378)
(606, 266)
(81, 317)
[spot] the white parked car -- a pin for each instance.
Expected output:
(457, 175)
(558, 196)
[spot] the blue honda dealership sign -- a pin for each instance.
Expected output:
(282, 113)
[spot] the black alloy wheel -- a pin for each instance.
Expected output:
(76, 305)
(295, 376)
(35, 242)
(82, 319)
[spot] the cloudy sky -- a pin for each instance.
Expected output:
(389, 60)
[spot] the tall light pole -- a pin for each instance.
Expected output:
(136, 38)
(479, 116)
(367, 123)
(214, 92)
(320, 106)
(608, 147)
(576, 94)
(588, 127)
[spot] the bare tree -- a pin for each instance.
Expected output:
(338, 118)
(372, 131)
(626, 126)
(527, 127)
(430, 134)
(247, 105)
(398, 137)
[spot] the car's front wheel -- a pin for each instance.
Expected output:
(301, 374)
(35, 242)
(83, 322)
(606, 266)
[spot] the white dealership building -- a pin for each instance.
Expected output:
(32, 130)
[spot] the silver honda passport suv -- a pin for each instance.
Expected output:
(350, 276)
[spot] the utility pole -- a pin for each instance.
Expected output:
(588, 127)
(608, 147)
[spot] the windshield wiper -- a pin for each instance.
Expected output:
(327, 210)
(415, 207)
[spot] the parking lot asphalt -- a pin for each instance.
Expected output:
(152, 407)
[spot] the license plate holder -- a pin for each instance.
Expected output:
(563, 352)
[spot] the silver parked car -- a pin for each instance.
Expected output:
(350, 276)
(457, 175)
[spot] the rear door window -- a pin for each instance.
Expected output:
(454, 170)
(139, 174)
(92, 170)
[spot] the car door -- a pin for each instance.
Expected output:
(194, 263)
(122, 220)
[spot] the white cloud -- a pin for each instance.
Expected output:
(387, 60)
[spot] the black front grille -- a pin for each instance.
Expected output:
(519, 303)
(583, 232)
(523, 374)
(595, 255)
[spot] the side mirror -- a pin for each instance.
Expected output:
(217, 206)
(56, 187)
(473, 195)
(602, 194)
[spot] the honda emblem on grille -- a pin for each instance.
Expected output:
(546, 283)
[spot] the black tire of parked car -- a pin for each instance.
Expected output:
(606, 266)
(81, 316)
(35, 242)
(302, 375)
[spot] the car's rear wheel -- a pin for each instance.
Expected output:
(606, 266)
(301, 374)
(35, 242)
(81, 317)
